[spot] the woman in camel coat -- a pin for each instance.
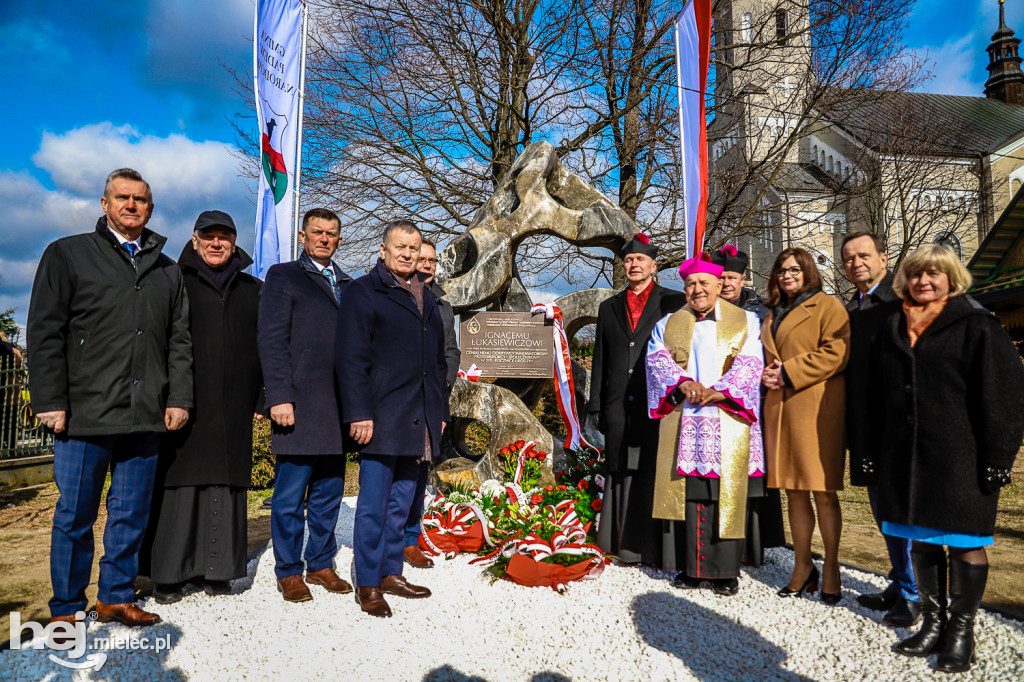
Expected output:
(806, 344)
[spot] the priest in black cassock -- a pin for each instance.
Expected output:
(197, 533)
(618, 401)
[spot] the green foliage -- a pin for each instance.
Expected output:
(10, 327)
(262, 455)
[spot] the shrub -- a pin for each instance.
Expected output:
(262, 455)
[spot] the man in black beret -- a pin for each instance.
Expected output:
(618, 401)
(764, 514)
(735, 263)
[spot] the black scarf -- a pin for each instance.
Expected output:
(782, 309)
(219, 277)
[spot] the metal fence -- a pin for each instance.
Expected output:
(21, 434)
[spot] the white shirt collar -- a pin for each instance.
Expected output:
(122, 241)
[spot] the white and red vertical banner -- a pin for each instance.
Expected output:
(277, 57)
(693, 53)
(565, 389)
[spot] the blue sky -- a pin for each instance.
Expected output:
(108, 84)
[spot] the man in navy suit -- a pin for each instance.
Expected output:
(297, 313)
(391, 369)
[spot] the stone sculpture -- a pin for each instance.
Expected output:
(536, 196)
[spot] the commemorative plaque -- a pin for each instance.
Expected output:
(507, 344)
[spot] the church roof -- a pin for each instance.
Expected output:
(805, 177)
(998, 264)
(933, 125)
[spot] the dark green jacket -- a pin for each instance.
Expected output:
(109, 340)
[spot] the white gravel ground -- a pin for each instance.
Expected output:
(630, 624)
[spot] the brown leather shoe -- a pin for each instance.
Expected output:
(62, 639)
(129, 613)
(292, 588)
(414, 556)
(371, 601)
(329, 580)
(399, 586)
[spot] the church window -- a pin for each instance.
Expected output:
(747, 28)
(828, 164)
(839, 169)
(950, 240)
(781, 26)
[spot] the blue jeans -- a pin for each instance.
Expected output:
(902, 573)
(80, 469)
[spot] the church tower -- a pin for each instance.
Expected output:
(1006, 80)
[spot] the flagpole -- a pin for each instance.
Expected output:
(298, 140)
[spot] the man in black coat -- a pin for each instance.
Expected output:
(764, 514)
(427, 265)
(297, 315)
(110, 370)
(618, 399)
(391, 370)
(198, 528)
(864, 261)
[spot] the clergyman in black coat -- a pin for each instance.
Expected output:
(197, 524)
(297, 323)
(864, 261)
(618, 398)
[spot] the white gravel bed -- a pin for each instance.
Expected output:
(629, 624)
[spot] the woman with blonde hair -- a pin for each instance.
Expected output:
(806, 344)
(947, 427)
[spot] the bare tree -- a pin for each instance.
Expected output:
(781, 71)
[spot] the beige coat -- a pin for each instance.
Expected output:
(804, 425)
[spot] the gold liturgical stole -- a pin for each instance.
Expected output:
(669, 485)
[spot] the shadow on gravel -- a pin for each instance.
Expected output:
(447, 673)
(112, 653)
(712, 647)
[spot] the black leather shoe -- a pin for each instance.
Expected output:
(217, 588)
(879, 601)
(685, 582)
(903, 614)
(727, 587)
(169, 593)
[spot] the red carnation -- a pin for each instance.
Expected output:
(590, 463)
(582, 485)
(596, 504)
(537, 499)
(641, 237)
(520, 444)
(549, 489)
(495, 499)
(562, 487)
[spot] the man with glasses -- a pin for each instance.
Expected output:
(427, 266)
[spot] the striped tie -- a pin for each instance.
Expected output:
(329, 274)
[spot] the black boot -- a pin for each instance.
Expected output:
(966, 588)
(930, 574)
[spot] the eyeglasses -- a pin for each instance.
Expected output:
(428, 260)
(792, 272)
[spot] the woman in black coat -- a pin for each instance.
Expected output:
(952, 419)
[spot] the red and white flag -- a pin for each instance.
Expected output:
(693, 52)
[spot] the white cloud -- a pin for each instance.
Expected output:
(953, 67)
(187, 177)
